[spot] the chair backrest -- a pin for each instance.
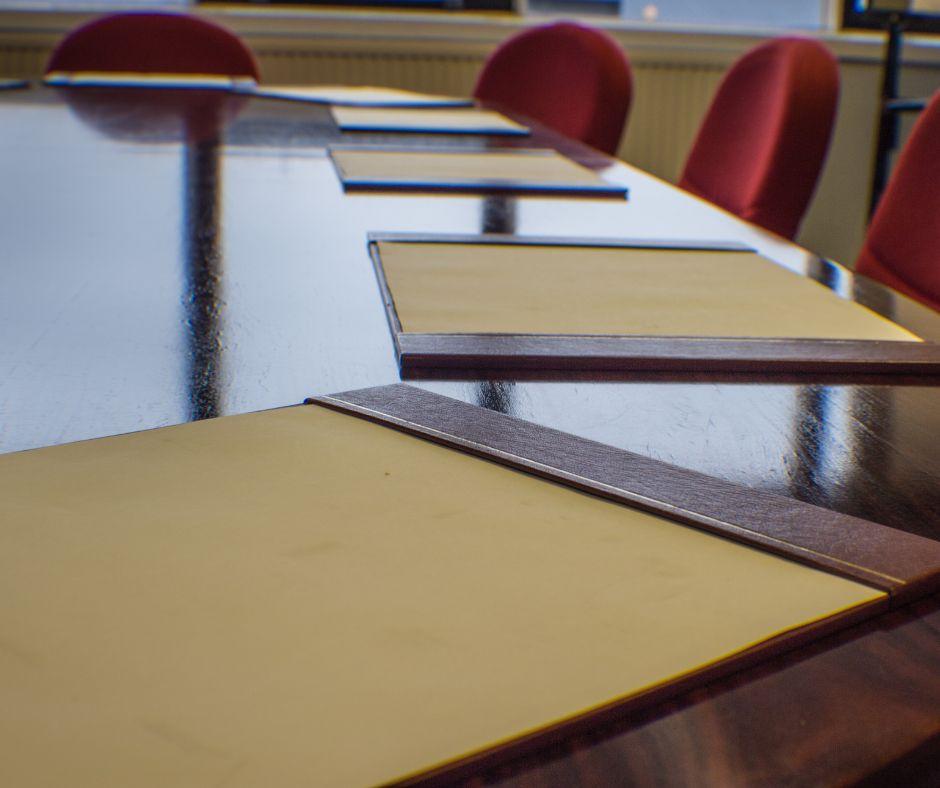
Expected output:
(902, 245)
(762, 144)
(156, 43)
(572, 78)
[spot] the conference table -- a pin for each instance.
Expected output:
(164, 264)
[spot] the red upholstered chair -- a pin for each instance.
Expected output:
(762, 144)
(154, 42)
(572, 78)
(902, 246)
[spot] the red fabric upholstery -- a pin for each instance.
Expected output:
(572, 78)
(902, 246)
(154, 42)
(761, 146)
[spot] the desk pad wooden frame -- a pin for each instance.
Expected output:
(903, 565)
(146, 80)
(298, 94)
(600, 353)
(480, 186)
(511, 129)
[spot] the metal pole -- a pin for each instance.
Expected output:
(888, 118)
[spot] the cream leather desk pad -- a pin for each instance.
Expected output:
(299, 597)
(133, 79)
(530, 166)
(358, 95)
(516, 289)
(464, 119)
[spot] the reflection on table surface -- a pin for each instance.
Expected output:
(160, 279)
(162, 267)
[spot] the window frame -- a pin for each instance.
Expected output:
(406, 5)
(878, 20)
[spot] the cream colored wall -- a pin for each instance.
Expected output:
(835, 223)
(675, 73)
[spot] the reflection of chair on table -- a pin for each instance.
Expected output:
(572, 78)
(902, 247)
(156, 43)
(761, 146)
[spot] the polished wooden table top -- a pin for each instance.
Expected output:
(158, 271)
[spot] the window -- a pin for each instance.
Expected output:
(804, 14)
(922, 16)
(449, 5)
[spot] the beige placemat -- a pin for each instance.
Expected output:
(470, 120)
(359, 95)
(299, 598)
(476, 288)
(146, 79)
(542, 167)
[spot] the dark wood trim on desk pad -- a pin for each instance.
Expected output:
(495, 239)
(286, 93)
(479, 186)
(379, 128)
(903, 565)
(508, 352)
(504, 353)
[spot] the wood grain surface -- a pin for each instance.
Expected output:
(549, 240)
(519, 353)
